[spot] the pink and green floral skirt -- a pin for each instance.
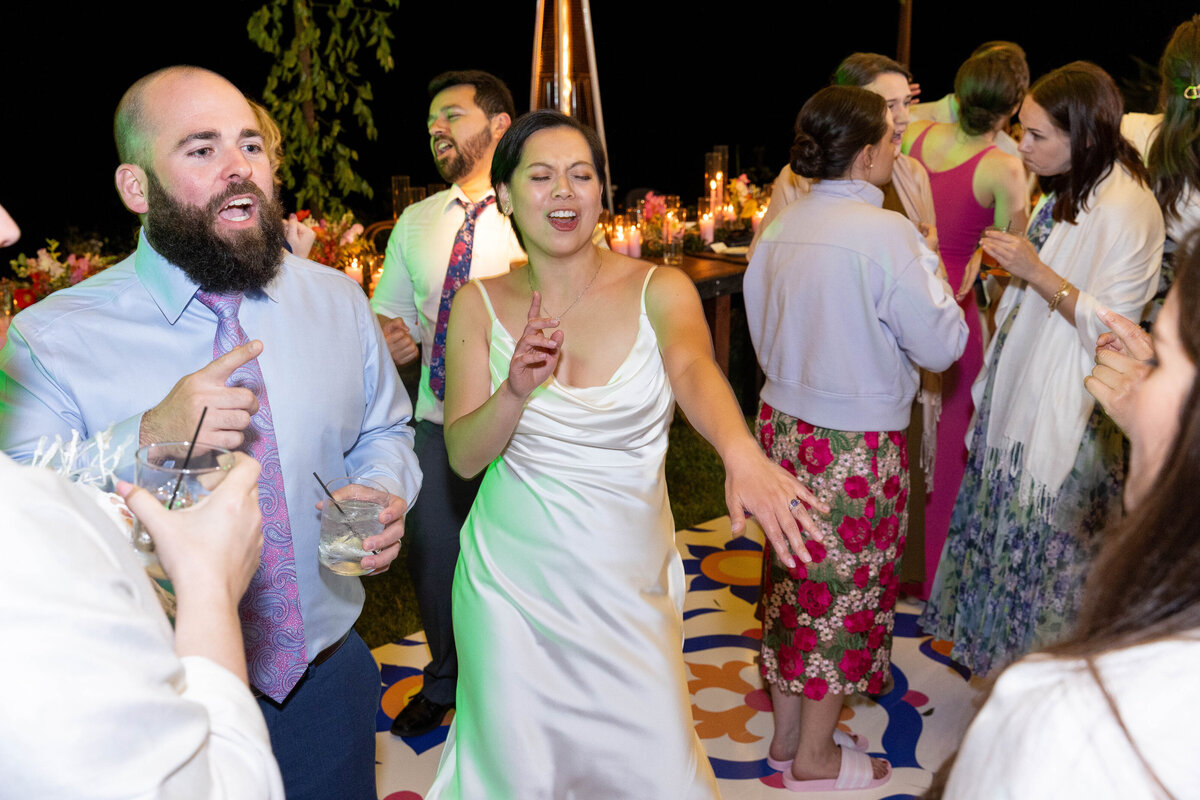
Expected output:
(827, 626)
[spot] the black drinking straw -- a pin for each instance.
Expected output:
(187, 457)
(326, 490)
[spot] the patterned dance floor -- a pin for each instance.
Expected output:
(917, 724)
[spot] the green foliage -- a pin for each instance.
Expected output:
(315, 87)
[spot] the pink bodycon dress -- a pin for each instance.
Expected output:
(961, 221)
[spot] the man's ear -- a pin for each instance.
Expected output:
(133, 187)
(499, 124)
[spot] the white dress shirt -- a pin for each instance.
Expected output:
(414, 269)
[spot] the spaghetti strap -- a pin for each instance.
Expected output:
(487, 301)
(646, 284)
(918, 144)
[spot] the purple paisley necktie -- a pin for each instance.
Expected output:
(270, 610)
(457, 274)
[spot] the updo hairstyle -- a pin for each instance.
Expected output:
(989, 88)
(833, 127)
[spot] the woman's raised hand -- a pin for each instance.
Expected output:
(536, 355)
(1121, 364)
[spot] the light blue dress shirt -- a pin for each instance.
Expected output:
(102, 353)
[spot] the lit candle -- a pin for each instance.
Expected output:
(757, 219)
(618, 241)
(706, 228)
(730, 216)
(634, 244)
(354, 270)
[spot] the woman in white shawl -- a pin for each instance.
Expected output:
(1046, 465)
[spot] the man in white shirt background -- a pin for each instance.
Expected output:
(437, 245)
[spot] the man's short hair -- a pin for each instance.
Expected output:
(491, 94)
(129, 123)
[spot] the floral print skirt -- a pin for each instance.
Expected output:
(827, 626)
(1010, 581)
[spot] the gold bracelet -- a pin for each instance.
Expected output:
(1064, 289)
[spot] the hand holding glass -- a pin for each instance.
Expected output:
(990, 265)
(348, 521)
(160, 470)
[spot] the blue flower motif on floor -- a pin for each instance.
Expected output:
(736, 566)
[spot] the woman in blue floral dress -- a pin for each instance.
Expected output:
(844, 303)
(1046, 466)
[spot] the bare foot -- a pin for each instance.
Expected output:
(827, 765)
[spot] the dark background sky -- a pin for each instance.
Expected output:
(675, 80)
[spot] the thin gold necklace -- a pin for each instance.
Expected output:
(578, 297)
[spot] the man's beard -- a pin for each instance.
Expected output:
(465, 157)
(241, 261)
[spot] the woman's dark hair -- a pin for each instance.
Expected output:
(1019, 64)
(859, 69)
(512, 145)
(834, 125)
(1174, 157)
(1084, 103)
(989, 89)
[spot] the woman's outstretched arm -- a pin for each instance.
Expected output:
(753, 484)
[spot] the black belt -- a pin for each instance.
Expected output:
(321, 658)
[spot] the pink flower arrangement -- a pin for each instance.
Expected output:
(655, 205)
(47, 271)
(338, 242)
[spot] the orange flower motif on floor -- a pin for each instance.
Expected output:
(729, 722)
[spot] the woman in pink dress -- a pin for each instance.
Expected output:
(974, 185)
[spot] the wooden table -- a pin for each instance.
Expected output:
(717, 278)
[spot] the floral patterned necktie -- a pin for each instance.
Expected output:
(457, 274)
(270, 610)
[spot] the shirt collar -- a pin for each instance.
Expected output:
(856, 190)
(171, 288)
(455, 193)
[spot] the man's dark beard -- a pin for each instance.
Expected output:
(184, 235)
(465, 157)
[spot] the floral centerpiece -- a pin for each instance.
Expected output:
(654, 206)
(48, 271)
(745, 198)
(338, 242)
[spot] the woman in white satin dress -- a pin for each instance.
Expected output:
(561, 381)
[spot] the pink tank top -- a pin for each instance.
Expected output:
(960, 218)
